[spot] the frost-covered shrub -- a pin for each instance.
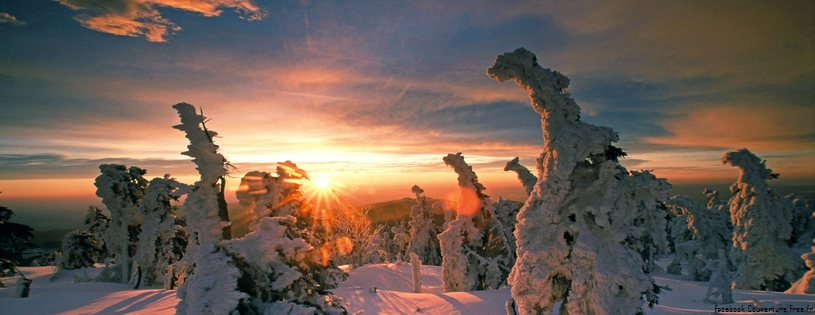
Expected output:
(524, 175)
(577, 232)
(161, 237)
(353, 239)
(806, 285)
(710, 233)
(475, 253)
(79, 250)
(761, 220)
(423, 239)
(122, 189)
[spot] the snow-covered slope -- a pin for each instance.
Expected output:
(69, 296)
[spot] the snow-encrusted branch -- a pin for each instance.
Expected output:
(524, 175)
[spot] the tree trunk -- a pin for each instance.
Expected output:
(223, 210)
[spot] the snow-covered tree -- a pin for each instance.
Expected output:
(806, 285)
(475, 253)
(524, 175)
(572, 231)
(97, 223)
(14, 238)
(122, 189)
(761, 220)
(80, 249)
(400, 240)
(720, 282)
(803, 223)
(647, 235)
(713, 201)
(274, 195)
(710, 233)
(354, 240)
(211, 288)
(158, 241)
(506, 212)
(281, 269)
(423, 239)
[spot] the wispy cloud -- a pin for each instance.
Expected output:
(756, 126)
(6, 18)
(141, 17)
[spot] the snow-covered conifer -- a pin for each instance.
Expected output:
(157, 241)
(710, 233)
(97, 223)
(713, 201)
(524, 175)
(806, 285)
(122, 189)
(720, 282)
(761, 220)
(475, 253)
(647, 234)
(506, 211)
(803, 223)
(400, 240)
(211, 288)
(423, 239)
(281, 268)
(571, 232)
(80, 249)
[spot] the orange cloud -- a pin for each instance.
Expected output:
(140, 17)
(8, 18)
(754, 126)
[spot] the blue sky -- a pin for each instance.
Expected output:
(374, 93)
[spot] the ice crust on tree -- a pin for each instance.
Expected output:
(577, 233)
(160, 236)
(475, 253)
(122, 189)
(424, 240)
(762, 226)
(212, 286)
(524, 175)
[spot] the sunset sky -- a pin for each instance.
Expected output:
(372, 94)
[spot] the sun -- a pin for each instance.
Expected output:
(322, 182)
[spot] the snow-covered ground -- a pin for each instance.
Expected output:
(69, 295)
